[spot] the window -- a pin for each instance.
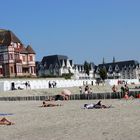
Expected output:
(110, 68)
(1, 57)
(31, 58)
(23, 57)
(1, 72)
(11, 56)
(12, 71)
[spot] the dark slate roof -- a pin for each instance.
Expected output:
(53, 60)
(92, 65)
(78, 66)
(7, 36)
(121, 64)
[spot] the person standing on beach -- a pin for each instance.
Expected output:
(26, 84)
(114, 89)
(80, 89)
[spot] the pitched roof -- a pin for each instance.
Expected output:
(30, 50)
(53, 60)
(23, 50)
(7, 36)
(120, 64)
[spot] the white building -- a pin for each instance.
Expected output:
(57, 65)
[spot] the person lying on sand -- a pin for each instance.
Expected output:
(95, 106)
(49, 104)
(64, 95)
(57, 97)
(4, 121)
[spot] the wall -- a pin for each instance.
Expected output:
(5, 85)
(42, 84)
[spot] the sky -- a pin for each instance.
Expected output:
(83, 30)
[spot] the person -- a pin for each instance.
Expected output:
(98, 105)
(50, 84)
(60, 97)
(114, 88)
(80, 90)
(89, 106)
(54, 84)
(4, 121)
(90, 91)
(66, 94)
(126, 96)
(126, 88)
(48, 104)
(57, 97)
(122, 89)
(26, 85)
(126, 92)
(86, 89)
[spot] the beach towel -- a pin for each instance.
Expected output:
(5, 114)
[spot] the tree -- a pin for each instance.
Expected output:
(103, 73)
(87, 67)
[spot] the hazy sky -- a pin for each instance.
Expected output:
(81, 29)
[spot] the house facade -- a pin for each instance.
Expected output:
(57, 65)
(16, 60)
(79, 71)
(120, 70)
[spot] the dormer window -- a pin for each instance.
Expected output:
(116, 68)
(125, 67)
(56, 65)
(110, 69)
(50, 66)
(98, 70)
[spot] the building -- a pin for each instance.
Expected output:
(120, 70)
(79, 71)
(16, 60)
(55, 65)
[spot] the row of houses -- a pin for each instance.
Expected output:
(18, 60)
(56, 65)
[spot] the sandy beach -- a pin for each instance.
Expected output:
(54, 91)
(70, 121)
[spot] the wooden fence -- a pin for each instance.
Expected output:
(107, 95)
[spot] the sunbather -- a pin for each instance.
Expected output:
(95, 106)
(64, 95)
(49, 104)
(4, 121)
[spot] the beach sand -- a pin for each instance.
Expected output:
(54, 91)
(70, 121)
